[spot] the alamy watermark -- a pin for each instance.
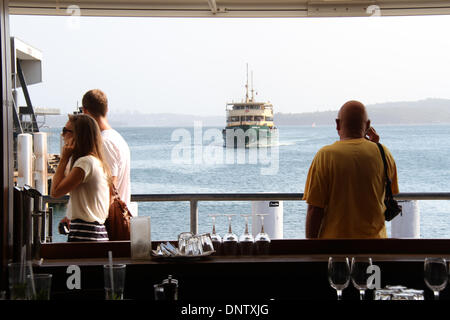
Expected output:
(374, 280)
(73, 21)
(374, 10)
(214, 146)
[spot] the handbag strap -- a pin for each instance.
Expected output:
(388, 181)
(116, 196)
(115, 193)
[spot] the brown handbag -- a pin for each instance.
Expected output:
(118, 222)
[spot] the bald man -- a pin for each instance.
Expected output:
(346, 183)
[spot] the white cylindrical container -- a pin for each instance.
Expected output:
(140, 238)
(273, 221)
(407, 225)
(25, 160)
(40, 163)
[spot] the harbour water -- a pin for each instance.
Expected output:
(193, 160)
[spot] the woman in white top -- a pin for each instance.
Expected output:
(87, 181)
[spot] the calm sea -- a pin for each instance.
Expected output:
(193, 160)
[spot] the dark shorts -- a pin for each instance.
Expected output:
(87, 231)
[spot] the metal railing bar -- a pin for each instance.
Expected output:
(218, 197)
(423, 196)
(194, 198)
(194, 217)
(251, 197)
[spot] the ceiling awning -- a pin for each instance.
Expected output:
(30, 59)
(230, 8)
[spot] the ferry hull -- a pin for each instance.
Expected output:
(246, 136)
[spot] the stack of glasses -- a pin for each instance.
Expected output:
(398, 293)
(189, 245)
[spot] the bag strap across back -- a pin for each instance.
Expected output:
(113, 190)
(388, 181)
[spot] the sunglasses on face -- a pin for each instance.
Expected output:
(65, 130)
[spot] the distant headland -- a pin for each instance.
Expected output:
(427, 111)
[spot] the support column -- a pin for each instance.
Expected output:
(6, 147)
(194, 216)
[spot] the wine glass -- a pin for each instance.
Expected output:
(435, 275)
(338, 274)
(230, 240)
(359, 275)
(246, 240)
(262, 239)
(215, 237)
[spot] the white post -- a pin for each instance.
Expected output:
(407, 225)
(24, 159)
(134, 208)
(273, 222)
(40, 163)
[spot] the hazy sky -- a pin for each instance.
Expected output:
(195, 66)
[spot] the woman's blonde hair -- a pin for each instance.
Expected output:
(88, 140)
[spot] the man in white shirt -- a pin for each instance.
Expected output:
(116, 150)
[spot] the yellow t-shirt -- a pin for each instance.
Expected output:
(347, 179)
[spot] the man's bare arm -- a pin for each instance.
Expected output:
(314, 218)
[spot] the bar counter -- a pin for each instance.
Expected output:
(295, 269)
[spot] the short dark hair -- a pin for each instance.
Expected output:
(95, 102)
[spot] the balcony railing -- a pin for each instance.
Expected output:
(194, 198)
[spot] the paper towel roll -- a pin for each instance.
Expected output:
(24, 160)
(40, 163)
(407, 225)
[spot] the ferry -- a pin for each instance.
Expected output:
(249, 123)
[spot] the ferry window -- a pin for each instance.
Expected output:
(259, 118)
(168, 81)
(249, 118)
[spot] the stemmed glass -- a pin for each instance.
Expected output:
(435, 275)
(262, 239)
(338, 274)
(215, 238)
(359, 276)
(230, 240)
(246, 240)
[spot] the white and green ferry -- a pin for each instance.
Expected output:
(249, 123)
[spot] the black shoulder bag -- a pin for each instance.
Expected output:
(392, 206)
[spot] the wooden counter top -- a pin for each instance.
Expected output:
(283, 249)
(291, 258)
